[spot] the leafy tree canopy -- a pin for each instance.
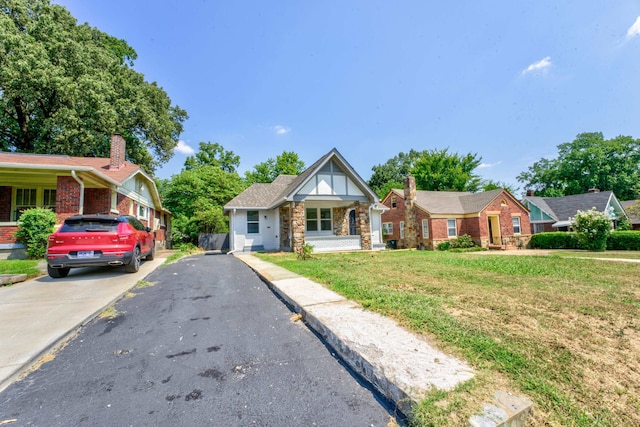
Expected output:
(433, 170)
(488, 185)
(588, 162)
(287, 163)
(439, 170)
(65, 88)
(213, 155)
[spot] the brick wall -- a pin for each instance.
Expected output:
(506, 208)
(97, 201)
(5, 203)
(123, 204)
(6, 234)
(67, 197)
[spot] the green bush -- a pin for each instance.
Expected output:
(624, 241)
(305, 252)
(554, 240)
(462, 242)
(592, 228)
(443, 246)
(34, 227)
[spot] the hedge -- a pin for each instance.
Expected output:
(624, 241)
(555, 240)
(617, 240)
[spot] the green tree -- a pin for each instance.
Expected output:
(488, 185)
(588, 162)
(439, 170)
(213, 155)
(391, 174)
(287, 163)
(196, 198)
(65, 88)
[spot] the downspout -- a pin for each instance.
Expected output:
(79, 181)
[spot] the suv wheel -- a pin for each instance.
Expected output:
(57, 273)
(151, 254)
(134, 264)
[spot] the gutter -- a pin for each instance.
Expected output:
(79, 181)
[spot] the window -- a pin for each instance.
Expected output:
(516, 224)
(538, 228)
(143, 211)
(425, 229)
(394, 202)
(25, 199)
(253, 222)
(402, 229)
(319, 217)
(387, 228)
(451, 228)
(28, 198)
(49, 199)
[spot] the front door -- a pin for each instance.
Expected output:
(494, 230)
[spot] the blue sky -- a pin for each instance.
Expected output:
(508, 80)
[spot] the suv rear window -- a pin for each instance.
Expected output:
(89, 225)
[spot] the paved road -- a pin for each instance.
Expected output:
(208, 344)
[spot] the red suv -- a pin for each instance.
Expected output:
(98, 240)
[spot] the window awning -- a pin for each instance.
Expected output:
(561, 224)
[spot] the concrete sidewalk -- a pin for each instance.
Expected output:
(400, 365)
(39, 314)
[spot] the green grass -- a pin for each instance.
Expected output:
(28, 267)
(564, 331)
(604, 254)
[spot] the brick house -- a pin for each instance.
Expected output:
(423, 219)
(75, 185)
(328, 206)
(555, 213)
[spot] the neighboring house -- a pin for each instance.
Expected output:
(423, 219)
(555, 213)
(633, 215)
(328, 206)
(76, 185)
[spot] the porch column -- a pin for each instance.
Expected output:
(410, 220)
(67, 197)
(364, 222)
(285, 228)
(340, 221)
(297, 226)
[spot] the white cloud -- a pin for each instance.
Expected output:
(281, 130)
(183, 148)
(634, 30)
(541, 66)
(488, 165)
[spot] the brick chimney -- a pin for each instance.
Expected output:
(531, 193)
(410, 221)
(118, 146)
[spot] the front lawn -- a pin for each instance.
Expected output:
(28, 267)
(563, 331)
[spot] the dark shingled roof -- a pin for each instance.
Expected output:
(566, 207)
(633, 217)
(452, 202)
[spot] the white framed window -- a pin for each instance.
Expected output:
(387, 228)
(516, 224)
(538, 228)
(143, 212)
(394, 202)
(452, 230)
(253, 222)
(318, 219)
(425, 228)
(28, 198)
(402, 229)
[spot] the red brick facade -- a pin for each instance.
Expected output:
(97, 200)
(502, 210)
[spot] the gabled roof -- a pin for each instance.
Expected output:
(285, 187)
(99, 165)
(453, 202)
(634, 217)
(563, 208)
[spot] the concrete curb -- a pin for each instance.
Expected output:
(367, 343)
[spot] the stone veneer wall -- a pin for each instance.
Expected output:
(340, 222)
(285, 227)
(410, 221)
(297, 226)
(364, 225)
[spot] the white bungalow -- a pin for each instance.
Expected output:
(327, 206)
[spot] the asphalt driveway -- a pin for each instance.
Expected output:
(206, 344)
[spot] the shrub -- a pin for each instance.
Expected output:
(592, 228)
(305, 252)
(35, 225)
(554, 240)
(443, 246)
(624, 241)
(461, 242)
(624, 225)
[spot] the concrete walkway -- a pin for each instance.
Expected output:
(402, 366)
(36, 315)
